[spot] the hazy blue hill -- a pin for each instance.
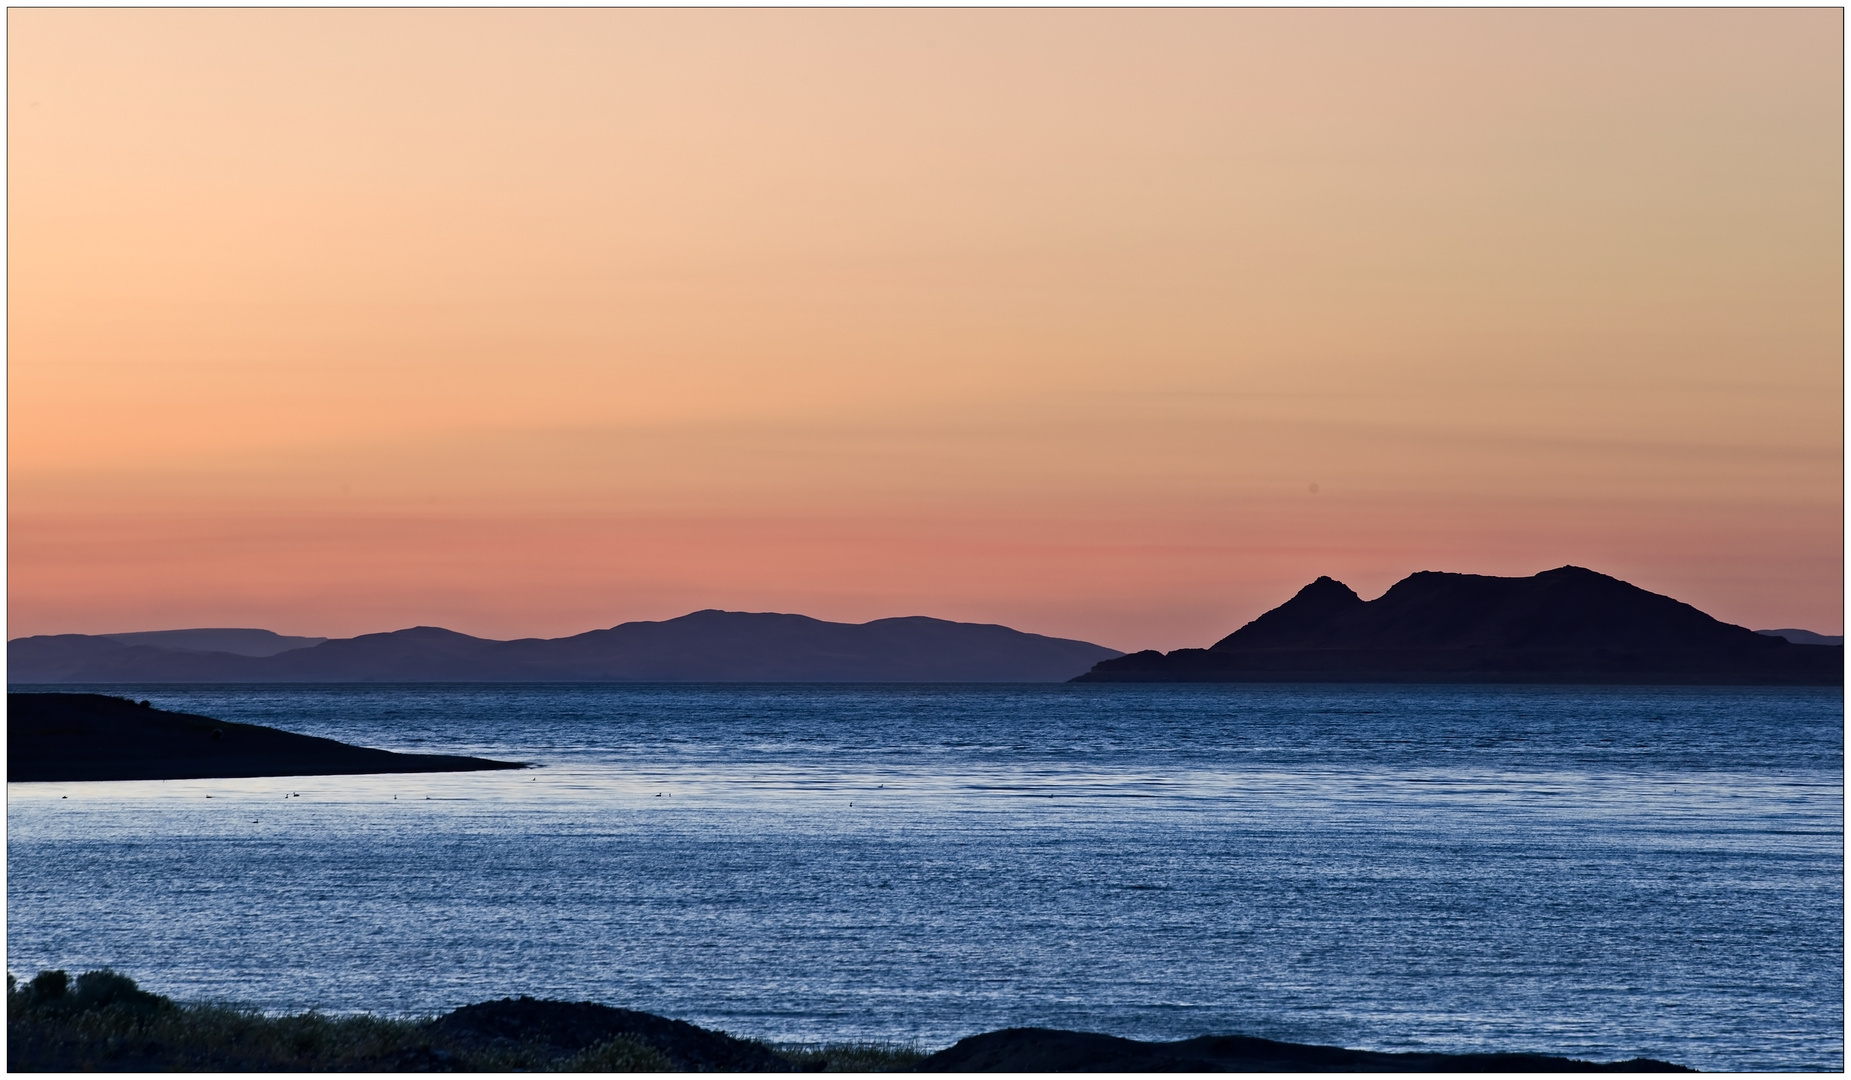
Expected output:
(706, 646)
(730, 646)
(236, 640)
(419, 654)
(61, 658)
(1564, 625)
(154, 655)
(1804, 637)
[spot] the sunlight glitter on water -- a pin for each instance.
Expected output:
(1391, 869)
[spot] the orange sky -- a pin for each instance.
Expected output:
(1111, 324)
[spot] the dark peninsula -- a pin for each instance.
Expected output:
(1568, 625)
(94, 737)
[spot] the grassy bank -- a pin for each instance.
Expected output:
(103, 1021)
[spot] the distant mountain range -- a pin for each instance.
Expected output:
(706, 646)
(238, 642)
(1568, 625)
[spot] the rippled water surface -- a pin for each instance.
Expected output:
(1602, 872)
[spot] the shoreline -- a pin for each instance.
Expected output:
(101, 1021)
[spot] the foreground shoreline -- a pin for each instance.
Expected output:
(102, 1021)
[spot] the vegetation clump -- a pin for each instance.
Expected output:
(619, 1053)
(850, 1056)
(102, 1021)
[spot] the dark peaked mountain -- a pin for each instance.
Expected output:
(1567, 625)
(1564, 608)
(1315, 605)
(706, 646)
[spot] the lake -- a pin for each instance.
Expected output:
(1603, 872)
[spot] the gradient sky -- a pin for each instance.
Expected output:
(1111, 324)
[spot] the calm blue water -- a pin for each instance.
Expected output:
(1592, 871)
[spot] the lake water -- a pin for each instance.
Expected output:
(1600, 872)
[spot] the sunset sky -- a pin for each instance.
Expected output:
(1110, 324)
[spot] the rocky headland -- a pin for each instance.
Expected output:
(97, 737)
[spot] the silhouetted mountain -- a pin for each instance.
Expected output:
(94, 737)
(242, 642)
(1314, 606)
(1805, 637)
(1566, 625)
(706, 646)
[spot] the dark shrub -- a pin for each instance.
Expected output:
(53, 991)
(47, 987)
(95, 989)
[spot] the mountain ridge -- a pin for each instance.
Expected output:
(1569, 624)
(710, 645)
(240, 641)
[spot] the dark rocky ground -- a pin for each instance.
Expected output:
(103, 1022)
(1044, 1050)
(565, 1028)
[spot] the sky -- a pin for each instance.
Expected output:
(1119, 325)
